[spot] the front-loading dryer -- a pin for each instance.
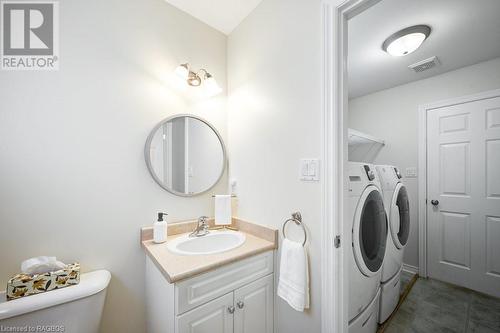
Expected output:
(368, 223)
(398, 213)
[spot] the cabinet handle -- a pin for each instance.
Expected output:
(240, 304)
(230, 309)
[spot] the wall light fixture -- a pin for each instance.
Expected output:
(196, 78)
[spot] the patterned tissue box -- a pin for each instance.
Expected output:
(23, 285)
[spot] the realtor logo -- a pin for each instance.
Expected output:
(29, 35)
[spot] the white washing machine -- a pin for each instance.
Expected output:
(367, 219)
(366, 322)
(398, 213)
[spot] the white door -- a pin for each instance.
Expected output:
(214, 317)
(254, 307)
(463, 194)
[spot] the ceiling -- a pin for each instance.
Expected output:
(223, 15)
(464, 32)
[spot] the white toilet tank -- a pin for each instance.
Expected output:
(75, 309)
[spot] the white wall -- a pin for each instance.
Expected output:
(73, 181)
(274, 85)
(392, 116)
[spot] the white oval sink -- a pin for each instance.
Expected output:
(214, 242)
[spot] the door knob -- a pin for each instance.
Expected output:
(230, 309)
(435, 202)
(240, 304)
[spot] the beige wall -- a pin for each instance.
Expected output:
(73, 181)
(274, 77)
(392, 115)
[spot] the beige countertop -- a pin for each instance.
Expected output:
(178, 267)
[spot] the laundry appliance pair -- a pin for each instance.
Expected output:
(378, 217)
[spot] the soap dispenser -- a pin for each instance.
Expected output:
(160, 229)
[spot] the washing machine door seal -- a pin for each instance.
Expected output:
(369, 232)
(399, 222)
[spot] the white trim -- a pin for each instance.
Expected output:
(410, 269)
(422, 166)
(334, 265)
(422, 191)
(333, 315)
(463, 99)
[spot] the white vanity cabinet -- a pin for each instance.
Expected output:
(248, 309)
(207, 318)
(237, 297)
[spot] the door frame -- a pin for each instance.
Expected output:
(422, 166)
(334, 263)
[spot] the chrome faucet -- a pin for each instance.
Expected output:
(202, 228)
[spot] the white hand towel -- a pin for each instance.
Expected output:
(293, 285)
(222, 209)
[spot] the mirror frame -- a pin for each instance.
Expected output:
(147, 154)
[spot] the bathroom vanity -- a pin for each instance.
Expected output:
(203, 280)
(231, 291)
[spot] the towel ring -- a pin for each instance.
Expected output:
(297, 219)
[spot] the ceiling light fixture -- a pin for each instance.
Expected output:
(406, 41)
(194, 79)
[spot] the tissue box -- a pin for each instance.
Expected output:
(23, 285)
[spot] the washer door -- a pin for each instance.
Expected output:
(400, 216)
(369, 233)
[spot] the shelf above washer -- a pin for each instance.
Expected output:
(363, 147)
(357, 138)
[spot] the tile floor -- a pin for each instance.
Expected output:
(434, 306)
(405, 280)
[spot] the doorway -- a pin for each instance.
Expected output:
(470, 78)
(460, 192)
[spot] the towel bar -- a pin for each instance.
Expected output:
(297, 219)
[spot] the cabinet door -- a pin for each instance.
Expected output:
(213, 317)
(254, 307)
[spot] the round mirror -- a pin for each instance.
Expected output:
(185, 155)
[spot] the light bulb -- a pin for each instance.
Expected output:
(211, 86)
(182, 71)
(405, 44)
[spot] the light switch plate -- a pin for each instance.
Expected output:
(309, 169)
(411, 172)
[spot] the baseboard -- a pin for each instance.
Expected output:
(410, 269)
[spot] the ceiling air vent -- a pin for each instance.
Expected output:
(424, 64)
